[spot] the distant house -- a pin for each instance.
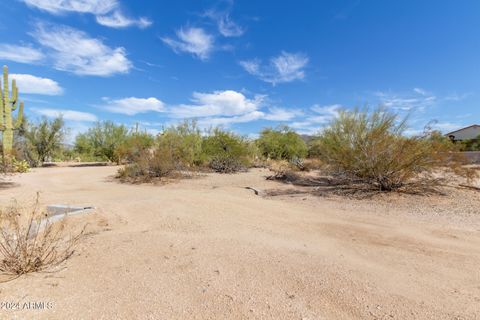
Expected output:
(467, 133)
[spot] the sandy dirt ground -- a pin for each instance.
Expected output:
(207, 248)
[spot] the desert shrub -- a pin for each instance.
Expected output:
(184, 141)
(134, 145)
(151, 165)
(12, 165)
(147, 169)
(314, 148)
(43, 140)
(226, 151)
(182, 149)
(83, 147)
(67, 153)
(470, 144)
(27, 245)
(279, 168)
(281, 143)
(20, 166)
(101, 141)
(255, 156)
(370, 147)
(313, 164)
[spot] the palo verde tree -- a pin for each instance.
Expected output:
(8, 104)
(281, 143)
(102, 141)
(44, 139)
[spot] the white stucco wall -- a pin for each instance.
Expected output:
(467, 133)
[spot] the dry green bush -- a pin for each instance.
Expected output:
(281, 143)
(184, 142)
(101, 142)
(226, 152)
(27, 245)
(371, 148)
(177, 149)
(470, 144)
(43, 140)
(183, 149)
(134, 145)
(151, 165)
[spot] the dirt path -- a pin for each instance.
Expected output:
(207, 248)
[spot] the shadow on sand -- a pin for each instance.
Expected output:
(77, 165)
(8, 185)
(339, 186)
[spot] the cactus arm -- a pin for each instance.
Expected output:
(13, 99)
(19, 121)
(5, 84)
(5, 93)
(1, 107)
(14, 91)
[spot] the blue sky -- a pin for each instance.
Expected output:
(243, 64)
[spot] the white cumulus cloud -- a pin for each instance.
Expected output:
(225, 103)
(281, 114)
(225, 121)
(28, 83)
(71, 115)
(23, 54)
(192, 40)
(132, 106)
(74, 51)
(229, 107)
(286, 67)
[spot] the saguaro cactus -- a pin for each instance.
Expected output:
(8, 104)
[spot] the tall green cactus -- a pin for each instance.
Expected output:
(8, 104)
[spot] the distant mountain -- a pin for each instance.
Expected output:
(307, 138)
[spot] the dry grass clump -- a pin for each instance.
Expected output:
(282, 167)
(313, 164)
(226, 164)
(29, 245)
(10, 165)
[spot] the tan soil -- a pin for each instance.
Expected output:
(206, 248)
